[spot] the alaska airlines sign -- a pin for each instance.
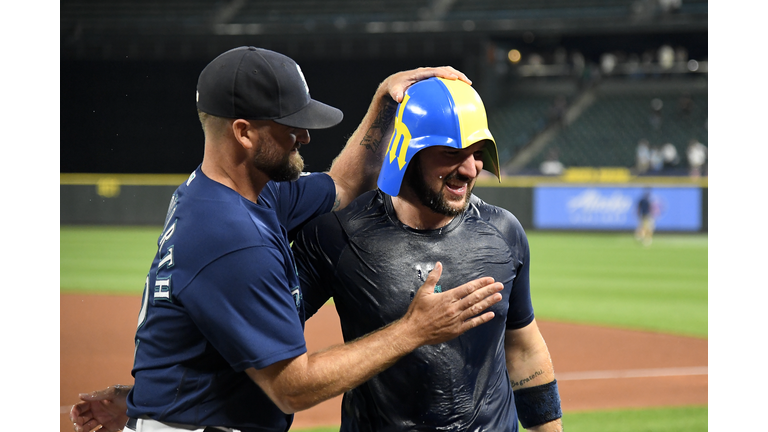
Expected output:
(614, 208)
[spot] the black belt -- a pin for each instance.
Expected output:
(132, 424)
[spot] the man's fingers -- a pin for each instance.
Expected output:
(91, 396)
(79, 421)
(480, 301)
(457, 74)
(468, 288)
(92, 424)
(432, 279)
(108, 393)
(402, 82)
(446, 72)
(476, 321)
(434, 276)
(78, 410)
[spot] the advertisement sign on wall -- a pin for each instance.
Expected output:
(615, 208)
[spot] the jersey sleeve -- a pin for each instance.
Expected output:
(248, 315)
(317, 249)
(299, 201)
(520, 312)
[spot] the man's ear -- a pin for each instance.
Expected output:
(245, 133)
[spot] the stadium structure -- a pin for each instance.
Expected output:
(577, 91)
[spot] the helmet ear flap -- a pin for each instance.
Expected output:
(491, 159)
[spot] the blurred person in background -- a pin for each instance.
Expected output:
(552, 165)
(666, 56)
(670, 156)
(646, 221)
(643, 156)
(656, 159)
(697, 157)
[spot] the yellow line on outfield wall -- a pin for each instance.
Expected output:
(124, 179)
(516, 181)
(634, 181)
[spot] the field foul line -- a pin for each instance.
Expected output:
(631, 373)
(589, 375)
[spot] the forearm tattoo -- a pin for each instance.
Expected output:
(516, 384)
(374, 135)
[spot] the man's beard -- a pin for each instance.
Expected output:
(434, 200)
(275, 166)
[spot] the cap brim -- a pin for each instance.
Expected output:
(316, 115)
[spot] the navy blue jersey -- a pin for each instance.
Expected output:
(222, 296)
(644, 206)
(372, 265)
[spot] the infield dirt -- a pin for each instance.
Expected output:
(597, 367)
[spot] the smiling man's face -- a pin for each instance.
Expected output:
(442, 177)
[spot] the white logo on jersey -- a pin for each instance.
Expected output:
(423, 273)
(296, 293)
(191, 177)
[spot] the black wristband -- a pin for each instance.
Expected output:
(538, 405)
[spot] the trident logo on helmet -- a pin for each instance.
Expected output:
(436, 112)
(401, 136)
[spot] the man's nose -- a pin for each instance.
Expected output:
(469, 167)
(302, 136)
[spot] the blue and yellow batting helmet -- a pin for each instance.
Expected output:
(436, 112)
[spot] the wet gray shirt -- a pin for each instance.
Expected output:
(372, 265)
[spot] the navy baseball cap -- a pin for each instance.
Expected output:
(258, 84)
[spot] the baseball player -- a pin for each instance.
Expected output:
(646, 219)
(373, 256)
(219, 343)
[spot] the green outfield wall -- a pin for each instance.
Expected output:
(141, 199)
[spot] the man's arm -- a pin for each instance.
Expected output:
(304, 381)
(107, 408)
(301, 382)
(357, 167)
(529, 365)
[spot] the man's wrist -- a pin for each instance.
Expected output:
(405, 338)
(538, 405)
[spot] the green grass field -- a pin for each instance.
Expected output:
(610, 279)
(110, 260)
(683, 419)
(605, 279)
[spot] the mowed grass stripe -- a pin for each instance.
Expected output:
(610, 279)
(110, 260)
